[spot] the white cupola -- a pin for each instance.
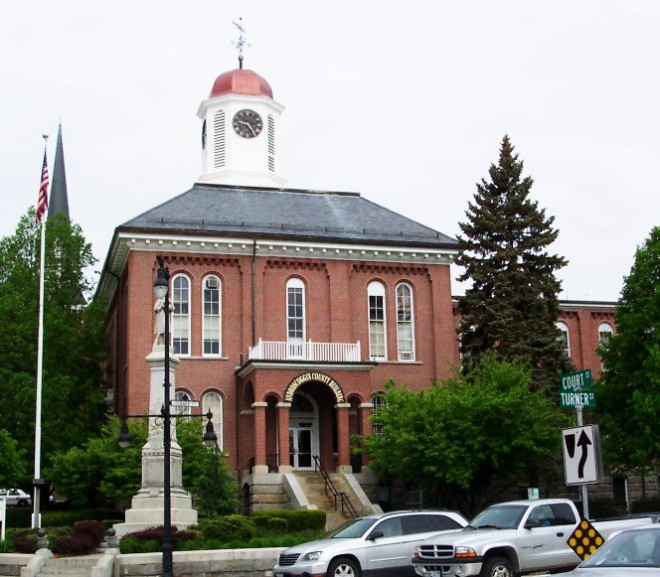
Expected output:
(239, 124)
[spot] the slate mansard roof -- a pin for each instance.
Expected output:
(285, 214)
(251, 214)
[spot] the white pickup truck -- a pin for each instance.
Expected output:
(510, 539)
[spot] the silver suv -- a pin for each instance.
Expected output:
(375, 545)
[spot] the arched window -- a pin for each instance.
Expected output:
(180, 409)
(295, 317)
(212, 401)
(605, 332)
(378, 402)
(181, 315)
(377, 341)
(405, 326)
(564, 338)
(211, 322)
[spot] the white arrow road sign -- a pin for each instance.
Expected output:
(582, 463)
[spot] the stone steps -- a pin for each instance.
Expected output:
(69, 566)
(313, 486)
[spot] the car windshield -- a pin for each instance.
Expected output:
(628, 549)
(353, 529)
(499, 517)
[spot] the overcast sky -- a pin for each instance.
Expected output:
(403, 102)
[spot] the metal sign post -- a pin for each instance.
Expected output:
(582, 462)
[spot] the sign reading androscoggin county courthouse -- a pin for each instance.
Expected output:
(313, 376)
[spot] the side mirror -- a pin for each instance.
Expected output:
(531, 523)
(375, 535)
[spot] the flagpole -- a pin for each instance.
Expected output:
(37, 481)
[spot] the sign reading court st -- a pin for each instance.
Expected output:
(576, 390)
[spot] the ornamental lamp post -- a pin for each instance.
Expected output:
(161, 288)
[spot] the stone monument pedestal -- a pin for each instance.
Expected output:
(148, 504)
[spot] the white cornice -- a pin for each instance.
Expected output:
(124, 242)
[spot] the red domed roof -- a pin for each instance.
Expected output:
(241, 81)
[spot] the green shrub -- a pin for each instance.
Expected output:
(277, 524)
(6, 546)
(135, 545)
(70, 517)
(210, 544)
(296, 520)
(646, 505)
(155, 534)
(228, 527)
(604, 508)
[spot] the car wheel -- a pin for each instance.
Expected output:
(343, 567)
(497, 567)
(22, 503)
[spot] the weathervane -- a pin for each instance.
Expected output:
(241, 42)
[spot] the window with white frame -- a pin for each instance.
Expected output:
(564, 338)
(295, 317)
(211, 303)
(181, 409)
(405, 327)
(212, 401)
(377, 340)
(378, 403)
(605, 332)
(181, 315)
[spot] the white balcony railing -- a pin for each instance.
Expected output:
(305, 351)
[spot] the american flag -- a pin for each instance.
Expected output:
(42, 202)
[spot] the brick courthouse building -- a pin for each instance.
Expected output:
(292, 307)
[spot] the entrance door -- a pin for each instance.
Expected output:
(301, 446)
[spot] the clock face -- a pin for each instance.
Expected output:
(247, 123)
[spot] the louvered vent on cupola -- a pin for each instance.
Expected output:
(219, 144)
(271, 143)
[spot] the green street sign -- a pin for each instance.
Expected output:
(584, 399)
(577, 381)
(576, 390)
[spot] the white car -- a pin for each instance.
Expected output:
(377, 545)
(16, 497)
(632, 552)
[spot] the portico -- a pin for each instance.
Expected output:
(310, 414)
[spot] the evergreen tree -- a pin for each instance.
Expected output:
(73, 392)
(512, 304)
(629, 390)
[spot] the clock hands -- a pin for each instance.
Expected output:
(248, 125)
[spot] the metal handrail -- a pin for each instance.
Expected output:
(346, 505)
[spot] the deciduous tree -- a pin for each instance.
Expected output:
(458, 435)
(629, 390)
(73, 394)
(12, 469)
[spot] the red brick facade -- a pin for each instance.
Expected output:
(253, 307)
(257, 392)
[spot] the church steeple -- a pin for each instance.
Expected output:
(59, 198)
